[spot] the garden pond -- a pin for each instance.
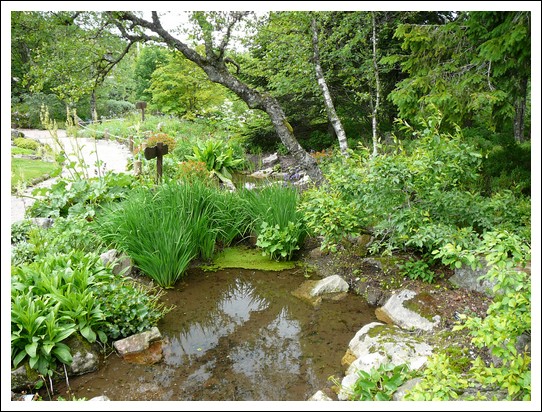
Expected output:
(235, 335)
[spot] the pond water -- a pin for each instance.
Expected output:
(236, 335)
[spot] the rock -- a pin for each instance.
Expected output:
(24, 378)
(467, 278)
(331, 284)
(376, 344)
(270, 160)
(401, 391)
(86, 356)
(101, 398)
(320, 396)
(142, 348)
(263, 173)
(16, 133)
(375, 296)
(43, 222)
(122, 264)
(395, 312)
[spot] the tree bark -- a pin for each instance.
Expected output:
(520, 106)
(214, 65)
(93, 111)
(330, 108)
(377, 97)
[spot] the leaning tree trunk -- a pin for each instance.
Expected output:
(330, 108)
(213, 64)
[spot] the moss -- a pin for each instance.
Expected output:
(423, 304)
(388, 263)
(246, 258)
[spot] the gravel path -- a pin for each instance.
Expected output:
(112, 155)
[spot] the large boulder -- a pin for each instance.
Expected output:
(376, 344)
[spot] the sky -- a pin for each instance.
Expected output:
(7, 6)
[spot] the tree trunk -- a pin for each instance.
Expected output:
(520, 106)
(330, 108)
(377, 97)
(93, 106)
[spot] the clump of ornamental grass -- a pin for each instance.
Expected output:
(164, 228)
(154, 229)
(276, 220)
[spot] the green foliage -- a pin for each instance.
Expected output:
(37, 332)
(279, 243)
(328, 215)
(276, 221)
(80, 197)
(421, 196)
(440, 382)
(475, 69)
(20, 230)
(219, 158)
(66, 234)
(26, 143)
(192, 170)
(507, 318)
(20, 151)
(418, 269)
(62, 294)
(155, 230)
(379, 384)
(179, 87)
(129, 308)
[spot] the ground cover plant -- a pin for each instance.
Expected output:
(60, 288)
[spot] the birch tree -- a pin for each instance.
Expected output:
(330, 108)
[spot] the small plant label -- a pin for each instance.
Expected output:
(157, 152)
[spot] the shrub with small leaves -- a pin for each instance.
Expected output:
(26, 143)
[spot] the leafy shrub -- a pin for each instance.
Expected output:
(128, 308)
(26, 143)
(418, 269)
(193, 170)
(109, 108)
(62, 294)
(22, 253)
(379, 384)
(507, 318)
(418, 198)
(163, 138)
(25, 112)
(279, 243)
(37, 332)
(20, 230)
(80, 197)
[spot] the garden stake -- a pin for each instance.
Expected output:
(157, 151)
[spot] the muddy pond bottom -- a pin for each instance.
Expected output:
(237, 335)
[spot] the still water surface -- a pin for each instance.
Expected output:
(237, 335)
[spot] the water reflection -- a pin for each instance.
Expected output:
(237, 335)
(238, 301)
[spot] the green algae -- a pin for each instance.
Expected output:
(246, 258)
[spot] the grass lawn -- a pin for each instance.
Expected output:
(21, 151)
(27, 171)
